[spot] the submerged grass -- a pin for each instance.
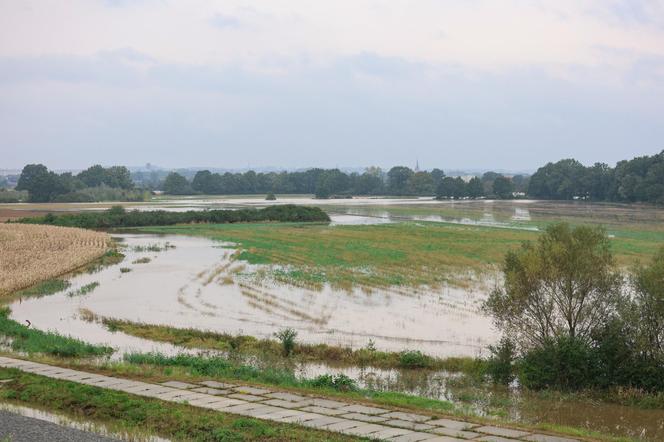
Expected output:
(29, 340)
(125, 412)
(400, 254)
(87, 288)
(408, 254)
(48, 287)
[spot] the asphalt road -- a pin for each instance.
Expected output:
(17, 428)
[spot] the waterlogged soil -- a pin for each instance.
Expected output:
(197, 283)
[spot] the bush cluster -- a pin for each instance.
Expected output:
(565, 363)
(119, 217)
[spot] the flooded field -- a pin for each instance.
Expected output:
(196, 283)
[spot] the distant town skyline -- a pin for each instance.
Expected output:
(482, 85)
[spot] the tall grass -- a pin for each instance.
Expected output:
(249, 345)
(216, 367)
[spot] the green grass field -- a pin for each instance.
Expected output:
(400, 254)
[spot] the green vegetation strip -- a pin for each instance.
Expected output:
(118, 217)
(29, 340)
(249, 345)
(124, 412)
(48, 287)
(333, 385)
(408, 254)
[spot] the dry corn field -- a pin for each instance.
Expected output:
(33, 253)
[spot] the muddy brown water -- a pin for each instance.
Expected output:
(189, 286)
(197, 284)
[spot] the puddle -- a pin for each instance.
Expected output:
(65, 421)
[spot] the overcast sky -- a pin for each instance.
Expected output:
(508, 84)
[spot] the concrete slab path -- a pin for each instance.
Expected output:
(315, 412)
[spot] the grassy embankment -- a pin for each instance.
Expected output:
(404, 254)
(122, 412)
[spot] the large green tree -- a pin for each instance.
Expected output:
(566, 284)
(397, 180)
(41, 184)
(474, 188)
(503, 187)
(176, 184)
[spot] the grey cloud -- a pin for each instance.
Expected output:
(448, 116)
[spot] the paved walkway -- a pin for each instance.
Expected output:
(309, 411)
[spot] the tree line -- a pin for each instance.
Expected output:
(95, 183)
(640, 179)
(334, 183)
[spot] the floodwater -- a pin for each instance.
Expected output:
(197, 284)
(519, 214)
(524, 407)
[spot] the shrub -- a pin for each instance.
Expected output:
(500, 366)
(565, 363)
(339, 382)
(287, 338)
(413, 359)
